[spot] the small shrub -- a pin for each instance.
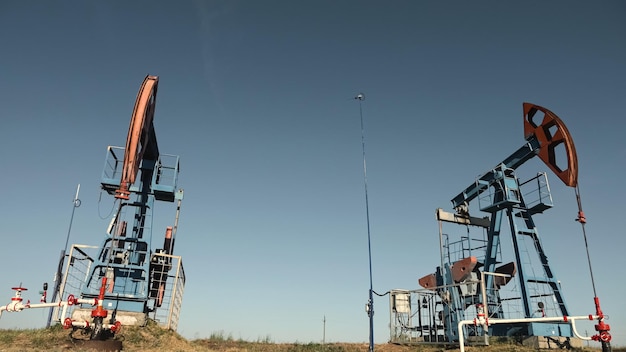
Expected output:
(266, 339)
(219, 336)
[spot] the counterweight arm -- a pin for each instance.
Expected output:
(542, 139)
(141, 140)
(552, 133)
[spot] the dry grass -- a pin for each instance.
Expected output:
(152, 338)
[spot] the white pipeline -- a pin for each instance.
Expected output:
(17, 305)
(86, 324)
(525, 320)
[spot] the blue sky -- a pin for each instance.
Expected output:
(257, 99)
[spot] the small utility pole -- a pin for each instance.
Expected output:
(324, 333)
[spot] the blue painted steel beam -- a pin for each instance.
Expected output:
(519, 157)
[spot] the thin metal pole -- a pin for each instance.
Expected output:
(57, 275)
(370, 302)
(76, 204)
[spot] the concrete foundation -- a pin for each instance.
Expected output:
(556, 342)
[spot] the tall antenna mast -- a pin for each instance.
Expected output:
(369, 307)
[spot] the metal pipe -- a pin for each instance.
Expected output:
(441, 248)
(175, 229)
(18, 306)
(174, 296)
(85, 324)
(578, 335)
(525, 320)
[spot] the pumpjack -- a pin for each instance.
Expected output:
(128, 274)
(476, 292)
(125, 279)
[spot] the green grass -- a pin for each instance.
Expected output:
(220, 336)
(265, 339)
(7, 337)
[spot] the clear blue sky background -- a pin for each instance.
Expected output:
(257, 99)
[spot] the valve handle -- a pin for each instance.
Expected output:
(116, 327)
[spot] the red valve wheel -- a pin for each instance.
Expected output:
(116, 327)
(605, 336)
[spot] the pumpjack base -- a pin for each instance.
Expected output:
(548, 329)
(124, 317)
(552, 342)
